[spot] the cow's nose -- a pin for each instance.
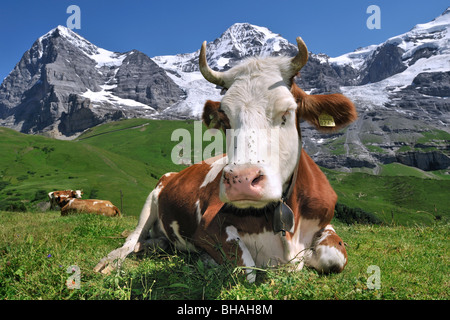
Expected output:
(243, 183)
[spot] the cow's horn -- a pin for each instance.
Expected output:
(301, 58)
(209, 74)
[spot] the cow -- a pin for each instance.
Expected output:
(52, 196)
(100, 207)
(251, 206)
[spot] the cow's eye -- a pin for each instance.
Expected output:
(284, 118)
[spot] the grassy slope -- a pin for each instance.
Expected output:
(131, 155)
(147, 141)
(36, 249)
(113, 159)
(34, 163)
(395, 199)
(127, 155)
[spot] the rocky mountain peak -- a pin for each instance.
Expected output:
(64, 84)
(246, 38)
(243, 40)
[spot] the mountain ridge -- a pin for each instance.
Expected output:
(64, 84)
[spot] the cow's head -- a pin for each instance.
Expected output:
(260, 113)
(76, 193)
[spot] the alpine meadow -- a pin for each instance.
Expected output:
(403, 216)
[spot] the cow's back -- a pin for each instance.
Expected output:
(101, 207)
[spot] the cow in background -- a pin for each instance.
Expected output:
(62, 194)
(100, 207)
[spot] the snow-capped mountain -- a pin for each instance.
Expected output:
(401, 89)
(64, 84)
(239, 41)
(394, 64)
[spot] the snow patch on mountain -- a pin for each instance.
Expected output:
(104, 96)
(355, 59)
(434, 34)
(105, 58)
(237, 42)
(193, 83)
(101, 56)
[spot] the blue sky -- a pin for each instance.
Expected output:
(171, 26)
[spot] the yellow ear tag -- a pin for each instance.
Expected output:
(326, 120)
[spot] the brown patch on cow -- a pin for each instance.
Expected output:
(332, 240)
(179, 196)
(310, 107)
(214, 117)
(313, 197)
(177, 202)
(165, 179)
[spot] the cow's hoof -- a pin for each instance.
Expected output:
(104, 267)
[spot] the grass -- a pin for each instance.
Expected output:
(36, 249)
(435, 135)
(147, 141)
(128, 156)
(395, 199)
(31, 164)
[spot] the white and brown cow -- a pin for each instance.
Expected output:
(264, 203)
(100, 207)
(62, 194)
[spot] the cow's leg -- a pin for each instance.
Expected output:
(136, 239)
(160, 243)
(229, 246)
(327, 252)
(52, 199)
(65, 210)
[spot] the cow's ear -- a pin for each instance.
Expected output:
(327, 112)
(215, 118)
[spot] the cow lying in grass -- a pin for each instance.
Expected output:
(100, 207)
(63, 194)
(265, 202)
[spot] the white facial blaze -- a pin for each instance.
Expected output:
(264, 135)
(253, 146)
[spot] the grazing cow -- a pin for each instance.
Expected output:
(101, 207)
(63, 194)
(252, 206)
